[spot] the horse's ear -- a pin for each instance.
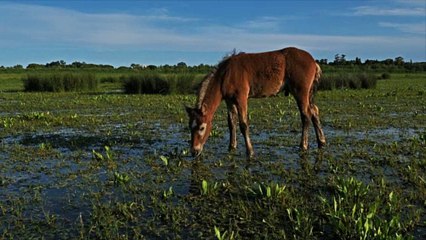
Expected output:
(203, 109)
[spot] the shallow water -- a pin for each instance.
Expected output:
(48, 168)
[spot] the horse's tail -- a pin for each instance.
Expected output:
(314, 86)
(317, 73)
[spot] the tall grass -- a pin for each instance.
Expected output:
(155, 83)
(60, 82)
(186, 83)
(347, 81)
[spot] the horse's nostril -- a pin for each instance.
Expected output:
(195, 152)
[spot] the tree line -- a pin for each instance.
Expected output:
(339, 62)
(61, 64)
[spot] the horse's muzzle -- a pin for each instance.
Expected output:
(196, 151)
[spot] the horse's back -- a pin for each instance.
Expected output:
(298, 58)
(268, 73)
(258, 74)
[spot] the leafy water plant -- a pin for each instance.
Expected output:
(105, 159)
(265, 190)
(165, 160)
(224, 235)
(357, 212)
(121, 178)
(8, 122)
(208, 189)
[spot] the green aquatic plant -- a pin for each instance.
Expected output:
(8, 122)
(224, 235)
(208, 189)
(165, 160)
(121, 178)
(268, 190)
(358, 212)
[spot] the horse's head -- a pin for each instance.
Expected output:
(200, 127)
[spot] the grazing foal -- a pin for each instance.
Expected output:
(256, 75)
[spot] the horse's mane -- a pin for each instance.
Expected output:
(203, 87)
(207, 79)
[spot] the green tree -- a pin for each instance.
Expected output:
(399, 61)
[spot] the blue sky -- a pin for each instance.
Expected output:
(167, 32)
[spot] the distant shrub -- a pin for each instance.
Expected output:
(184, 83)
(146, 83)
(347, 81)
(60, 82)
(110, 79)
(368, 81)
(155, 83)
(385, 76)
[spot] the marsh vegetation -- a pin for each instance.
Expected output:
(108, 165)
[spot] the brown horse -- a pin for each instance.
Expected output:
(245, 75)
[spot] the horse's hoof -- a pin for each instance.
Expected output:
(322, 144)
(303, 148)
(250, 155)
(232, 148)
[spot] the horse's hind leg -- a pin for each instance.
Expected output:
(317, 125)
(302, 99)
(232, 122)
(305, 115)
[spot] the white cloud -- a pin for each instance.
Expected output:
(266, 23)
(383, 11)
(39, 24)
(416, 28)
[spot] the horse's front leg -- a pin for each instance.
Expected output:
(244, 127)
(232, 122)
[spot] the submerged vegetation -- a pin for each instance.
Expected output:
(109, 165)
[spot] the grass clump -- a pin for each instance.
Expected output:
(147, 83)
(155, 83)
(385, 76)
(184, 83)
(60, 82)
(347, 81)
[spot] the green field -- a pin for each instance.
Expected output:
(107, 165)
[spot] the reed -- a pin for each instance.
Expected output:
(155, 83)
(60, 82)
(347, 81)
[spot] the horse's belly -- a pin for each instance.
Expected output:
(265, 89)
